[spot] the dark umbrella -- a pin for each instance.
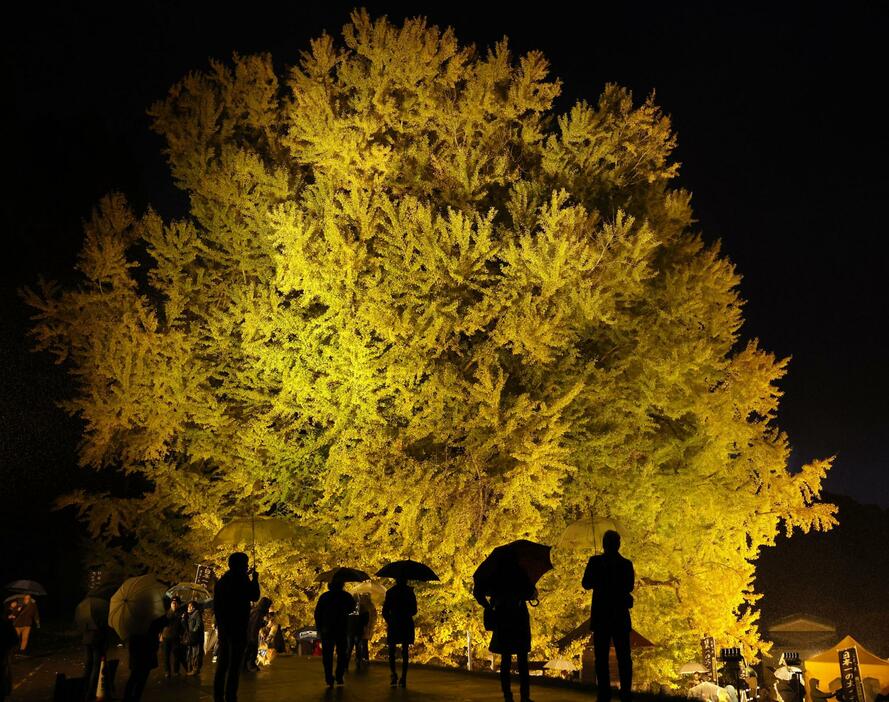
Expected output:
(91, 613)
(345, 575)
(498, 572)
(26, 587)
(408, 569)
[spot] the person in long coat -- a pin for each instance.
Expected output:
(143, 659)
(254, 624)
(331, 619)
(611, 578)
(8, 642)
(507, 613)
(236, 589)
(194, 628)
(399, 608)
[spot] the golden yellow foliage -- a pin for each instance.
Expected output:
(420, 314)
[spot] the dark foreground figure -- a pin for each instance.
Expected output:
(332, 621)
(506, 615)
(611, 578)
(234, 592)
(143, 659)
(399, 609)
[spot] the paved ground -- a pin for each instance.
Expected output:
(294, 678)
(291, 679)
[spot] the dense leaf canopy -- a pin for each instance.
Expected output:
(419, 314)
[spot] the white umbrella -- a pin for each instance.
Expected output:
(786, 672)
(692, 668)
(560, 664)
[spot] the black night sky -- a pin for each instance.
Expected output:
(782, 139)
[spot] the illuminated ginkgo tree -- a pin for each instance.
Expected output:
(419, 314)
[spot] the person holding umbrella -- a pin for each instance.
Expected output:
(27, 617)
(506, 612)
(399, 609)
(234, 592)
(611, 578)
(332, 622)
(172, 638)
(508, 576)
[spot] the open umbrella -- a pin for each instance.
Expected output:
(343, 574)
(692, 668)
(190, 592)
(376, 590)
(498, 571)
(91, 613)
(249, 530)
(586, 533)
(408, 569)
(26, 587)
(786, 672)
(137, 603)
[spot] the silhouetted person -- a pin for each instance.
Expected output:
(8, 641)
(25, 619)
(172, 638)
(143, 659)
(816, 694)
(511, 633)
(332, 621)
(254, 624)
(231, 603)
(194, 626)
(95, 643)
(367, 617)
(399, 609)
(611, 578)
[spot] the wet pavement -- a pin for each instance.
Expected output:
(297, 678)
(290, 679)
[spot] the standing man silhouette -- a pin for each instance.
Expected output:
(234, 592)
(611, 578)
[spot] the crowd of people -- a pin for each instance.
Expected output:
(246, 635)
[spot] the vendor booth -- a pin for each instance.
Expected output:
(825, 667)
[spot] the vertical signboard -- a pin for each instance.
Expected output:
(708, 655)
(850, 675)
(205, 576)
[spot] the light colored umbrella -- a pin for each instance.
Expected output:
(560, 664)
(692, 668)
(137, 603)
(376, 590)
(786, 672)
(249, 530)
(586, 533)
(26, 587)
(91, 613)
(190, 592)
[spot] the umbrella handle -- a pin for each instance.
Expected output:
(253, 536)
